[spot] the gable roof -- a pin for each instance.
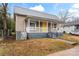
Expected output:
(29, 12)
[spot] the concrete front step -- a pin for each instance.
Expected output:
(69, 42)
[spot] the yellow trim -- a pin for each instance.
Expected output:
(44, 26)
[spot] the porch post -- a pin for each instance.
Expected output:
(39, 26)
(51, 26)
(28, 25)
(47, 26)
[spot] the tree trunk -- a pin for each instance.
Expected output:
(5, 27)
(5, 20)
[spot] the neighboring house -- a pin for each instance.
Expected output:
(72, 27)
(35, 24)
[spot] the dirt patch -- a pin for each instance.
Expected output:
(32, 47)
(70, 37)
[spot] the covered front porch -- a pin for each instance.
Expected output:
(41, 28)
(34, 25)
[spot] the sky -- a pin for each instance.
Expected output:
(50, 8)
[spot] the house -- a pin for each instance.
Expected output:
(72, 27)
(35, 24)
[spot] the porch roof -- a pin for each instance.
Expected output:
(36, 14)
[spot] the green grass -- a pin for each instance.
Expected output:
(32, 47)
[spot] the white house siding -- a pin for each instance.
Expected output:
(20, 23)
(68, 29)
(60, 28)
(20, 27)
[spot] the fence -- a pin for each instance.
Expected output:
(1, 33)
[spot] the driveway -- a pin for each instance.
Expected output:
(70, 52)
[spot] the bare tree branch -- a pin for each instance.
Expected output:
(64, 15)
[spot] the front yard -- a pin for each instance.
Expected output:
(32, 47)
(73, 38)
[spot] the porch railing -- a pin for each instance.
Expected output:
(54, 30)
(40, 29)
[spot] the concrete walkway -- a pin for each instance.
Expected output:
(70, 52)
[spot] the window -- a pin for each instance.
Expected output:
(41, 24)
(37, 24)
(55, 25)
(32, 26)
(77, 27)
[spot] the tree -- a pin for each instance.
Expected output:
(1, 22)
(6, 22)
(4, 17)
(11, 24)
(64, 15)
